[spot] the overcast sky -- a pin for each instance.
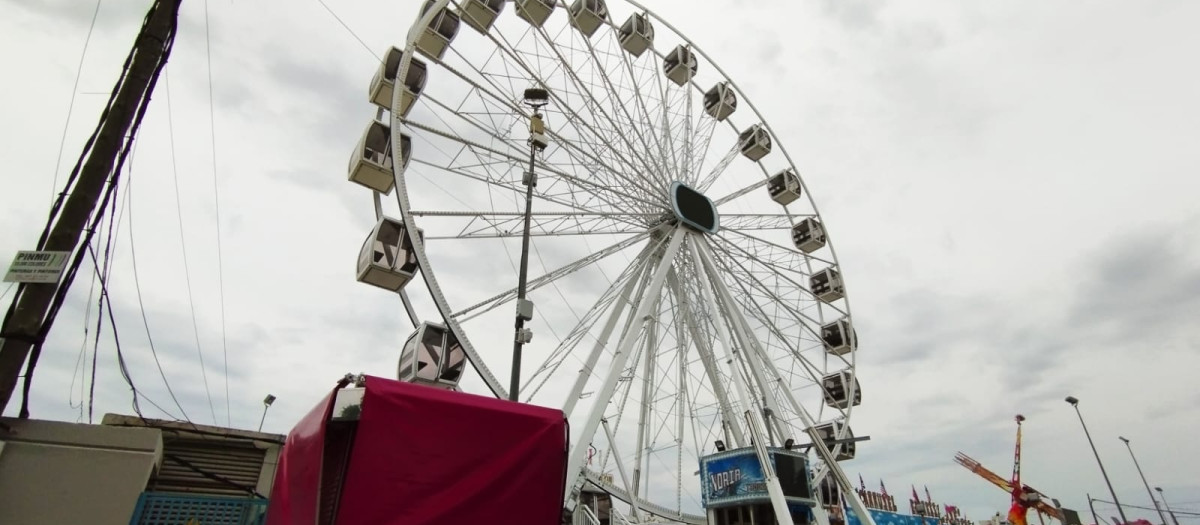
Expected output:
(1010, 187)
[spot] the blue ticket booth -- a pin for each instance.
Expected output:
(735, 488)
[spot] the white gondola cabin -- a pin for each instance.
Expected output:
(535, 11)
(829, 493)
(387, 259)
(587, 15)
(829, 432)
(808, 235)
(827, 285)
(755, 142)
(680, 65)
(435, 38)
(384, 82)
(836, 387)
(481, 14)
(636, 34)
(721, 101)
(839, 337)
(784, 187)
(371, 161)
(432, 356)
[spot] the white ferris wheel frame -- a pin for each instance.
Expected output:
(701, 258)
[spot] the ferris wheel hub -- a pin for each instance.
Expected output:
(694, 209)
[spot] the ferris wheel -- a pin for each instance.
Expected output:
(587, 167)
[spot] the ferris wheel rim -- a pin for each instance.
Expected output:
(428, 270)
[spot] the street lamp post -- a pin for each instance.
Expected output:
(267, 401)
(1168, 506)
(536, 99)
(1139, 469)
(1075, 403)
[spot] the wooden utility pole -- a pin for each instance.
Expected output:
(25, 327)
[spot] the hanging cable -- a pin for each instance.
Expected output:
(72, 269)
(187, 272)
(212, 128)
(74, 91)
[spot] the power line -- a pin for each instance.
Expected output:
(142, 308)
(187, 273)
(351, 31)
(212, 129)
(31, 315)
(62, 144)
(1177, 511)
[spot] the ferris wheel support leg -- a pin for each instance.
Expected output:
(605, 333)
(612, 444)
(783, 516)
(834, 468)
(620, 357)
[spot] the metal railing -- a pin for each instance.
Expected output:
(156, 508)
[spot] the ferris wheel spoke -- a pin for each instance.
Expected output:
(547, 278)
(646, 119)
(758, 221)
(619, 104)
(542, 224)
(720, 167)
(567, 346)
(700, 149)
(595, 105)
(782, 258)
(734, 254)
(515, 184)
(578, 122)
(745, 189)
(772, 325)
(503, 134)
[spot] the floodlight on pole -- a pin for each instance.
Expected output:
(267, 402)
(1139, 469)
(1075, 403)
(1167, 505)
(536, 99)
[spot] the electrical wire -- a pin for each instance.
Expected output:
(62, 144)
(69, 276)
(187, 273)
(145, 320)
(351, 31)
(212, 129)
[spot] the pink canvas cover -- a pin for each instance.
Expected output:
(425, 456)
(295, 490)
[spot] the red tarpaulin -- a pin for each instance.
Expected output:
(422, 455)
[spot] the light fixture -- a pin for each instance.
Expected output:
(267, 402)
(1120, 511)
(536, 97)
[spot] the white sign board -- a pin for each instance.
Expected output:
(36, 267)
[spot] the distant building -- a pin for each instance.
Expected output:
(130, 470)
